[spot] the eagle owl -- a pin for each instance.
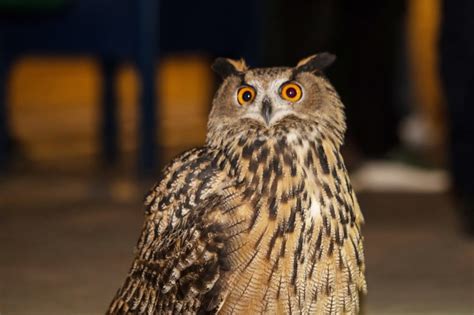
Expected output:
(262, 218)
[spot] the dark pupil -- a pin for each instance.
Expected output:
(247, 96)
(291, 92)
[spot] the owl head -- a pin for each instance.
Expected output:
(269, 102)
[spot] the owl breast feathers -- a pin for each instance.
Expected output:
(263, 218)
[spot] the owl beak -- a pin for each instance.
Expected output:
(267, 110)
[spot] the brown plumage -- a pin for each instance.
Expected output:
(263, 218)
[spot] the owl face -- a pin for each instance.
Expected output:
(266, 95)
(266, 99)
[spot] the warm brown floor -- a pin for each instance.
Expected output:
(67, 240)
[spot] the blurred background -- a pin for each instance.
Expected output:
(96, 96)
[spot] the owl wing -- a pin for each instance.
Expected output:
(179, 256)
(343, 270)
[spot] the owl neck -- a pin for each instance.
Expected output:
(283, 168)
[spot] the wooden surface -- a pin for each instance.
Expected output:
(55, 104)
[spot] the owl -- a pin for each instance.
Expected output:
(263, 217)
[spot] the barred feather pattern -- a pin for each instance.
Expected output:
(269, 224)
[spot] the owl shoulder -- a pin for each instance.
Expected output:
(188, 180)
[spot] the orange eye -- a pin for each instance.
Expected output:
(291, 92)
(245, 95)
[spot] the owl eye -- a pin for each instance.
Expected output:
(291, 91)
(245, 95)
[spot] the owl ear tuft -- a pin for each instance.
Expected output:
(314, 63)
(225, 67)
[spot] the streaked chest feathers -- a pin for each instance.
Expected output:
(295, 241)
